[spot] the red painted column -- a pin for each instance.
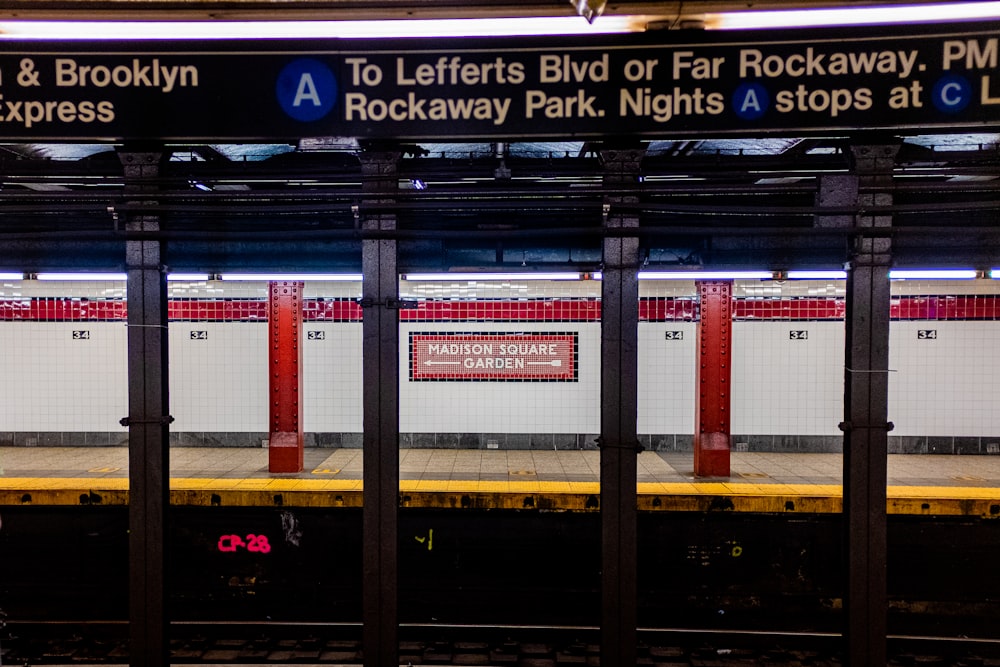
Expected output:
(284, 358)
(712, 377)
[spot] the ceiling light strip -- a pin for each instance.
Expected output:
(188, 277)
(276, 277)
(490, 27)
(933, 274)
(816, 275)
(706, 275)
(81, 276)
(848, 16)
(471, 277)
(174, 30)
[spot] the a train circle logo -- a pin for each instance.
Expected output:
(306, 89)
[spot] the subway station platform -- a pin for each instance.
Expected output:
(507, 479)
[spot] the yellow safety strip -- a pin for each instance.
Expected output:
(520, 494)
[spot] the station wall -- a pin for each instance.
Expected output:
(63, 353)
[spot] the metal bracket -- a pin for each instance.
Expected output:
(637, 447)
(849, 426)
(392, 304)
(162, 421)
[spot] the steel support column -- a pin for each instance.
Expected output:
(866, 400)
(712, 377)
(147, 421)
(619, 407)
(284, 356)
(380, 334)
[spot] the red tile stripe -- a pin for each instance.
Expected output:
(59, 310)
(547, 310)
(659, 309)
(971, 307)
(666, 309)
(217, 310)
(789, 309)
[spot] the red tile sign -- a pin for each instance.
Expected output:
(493, 356)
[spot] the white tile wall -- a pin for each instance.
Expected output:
(515, 407)
(500, 289)
(948, 385)
(219, 383)
(332, 289)
(92, 289)
(55, 383)
(784, 386)
(666, 378)
(943, 386)
(678, 289)
(953, 287)
(332, 382)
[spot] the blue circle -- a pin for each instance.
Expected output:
(750, 101)
(306, 89)
(952, 93)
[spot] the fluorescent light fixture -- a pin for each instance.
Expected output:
(107, 276)
(445, 277)
(489, 27)
(705, 275)
(995, 274)
(333, 277)
(486, 27)
(872, 15)
(932, 274)
(80, 276)
(816, 275)
(188, 277)
(11, 276)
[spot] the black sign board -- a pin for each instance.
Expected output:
(672, 83)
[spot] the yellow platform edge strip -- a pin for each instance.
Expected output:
(520, 495)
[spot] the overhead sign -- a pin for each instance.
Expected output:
(670, 83)
(493, 356)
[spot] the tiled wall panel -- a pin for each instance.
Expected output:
(945, 378)
(515, 407)
(218, 376)
(788, 377)
(63, 376)
(666, 377)
(942, 384)
(332, 382)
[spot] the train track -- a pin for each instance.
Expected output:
(220, 643)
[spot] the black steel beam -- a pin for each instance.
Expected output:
(619, 409)
(148, 423)
(380, 402)
(865, 426)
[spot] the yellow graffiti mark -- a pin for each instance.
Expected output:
(429, 540)
(326, 471)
